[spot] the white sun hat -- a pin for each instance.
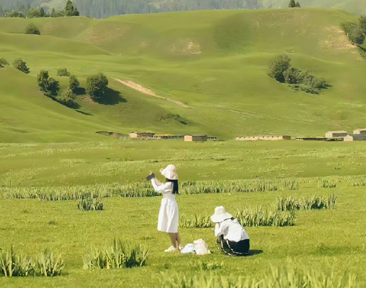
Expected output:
(170, 172)
(220, 215)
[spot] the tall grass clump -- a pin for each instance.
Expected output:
(46, 264)
(49, 264)
(278, 277)
(90, 203)
(327, 184)
(265, 217)
(310, 203)
(63, 72)
(15, 265)
(197, 222)
(120, 255)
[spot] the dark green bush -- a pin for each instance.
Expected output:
(73, 83)
(96, 86)
(48, 85)
(277, 67)
(354, 31)
(63, 72)
(3, 63)
(68, 98)
(32, 29)
(21, 66)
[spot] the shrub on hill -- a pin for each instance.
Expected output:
(363, 23)
(73, 83)
(36, 13)
(281, 70)
(21, 66)
(68, 98)
(355, 31)
(15, 14)
(3, 62)
(63, 72)
(32, 29)
(278, 66)
(96, 86)
(48, 85)
(55, 13)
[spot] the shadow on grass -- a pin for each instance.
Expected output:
(79, 91)
(84, 113)
(111, 97)
(254, 252)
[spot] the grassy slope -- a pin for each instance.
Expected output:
(214, 61)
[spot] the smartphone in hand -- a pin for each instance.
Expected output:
(151, 176)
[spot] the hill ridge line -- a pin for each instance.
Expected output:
(148, 92)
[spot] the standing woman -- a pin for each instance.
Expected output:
(169, 213)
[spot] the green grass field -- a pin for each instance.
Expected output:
(324, 240)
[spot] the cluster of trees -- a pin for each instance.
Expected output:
(294, 4)
(356, 32)
(96, 87)
(32, 29)
(24, 10)
(50, 87)
(281, 70)
(106, 8)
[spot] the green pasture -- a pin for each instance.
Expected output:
(213, 61)
(324, 240)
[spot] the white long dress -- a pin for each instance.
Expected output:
(169, 213)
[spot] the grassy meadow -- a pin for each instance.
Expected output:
(331, 240)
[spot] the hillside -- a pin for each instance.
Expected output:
(215, 62)
(107, 8)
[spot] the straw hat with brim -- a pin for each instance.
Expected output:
(220, 215)
(170, 172)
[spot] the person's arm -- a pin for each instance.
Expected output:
(160, 188)
(220, 229)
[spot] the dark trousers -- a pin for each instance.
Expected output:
(240, 248)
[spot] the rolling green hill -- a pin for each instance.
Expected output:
(215, 62)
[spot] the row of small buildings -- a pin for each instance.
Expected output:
(358, 135)
(187, 138)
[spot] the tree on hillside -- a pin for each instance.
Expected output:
(278, 66)
(48, 85)
(70, 9)
(297, 5)
(96, 86)
(32, 29)
(292, 4)
(363, 23)
(21, 66)
(354, 32)
(73, 83)
(68, 98)
(15, 14)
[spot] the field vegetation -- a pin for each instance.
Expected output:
(321, 184)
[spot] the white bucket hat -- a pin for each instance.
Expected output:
(170, 172)
(220, 215)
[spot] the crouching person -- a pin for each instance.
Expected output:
(233, 239)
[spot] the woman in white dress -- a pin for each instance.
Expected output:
(169, 213)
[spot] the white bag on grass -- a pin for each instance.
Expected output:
(201, 247)
(189, 248)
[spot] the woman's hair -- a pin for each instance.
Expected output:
(175, 186)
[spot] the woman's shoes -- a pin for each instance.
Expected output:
(171, 249)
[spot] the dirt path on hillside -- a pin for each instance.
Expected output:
(148, 92)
